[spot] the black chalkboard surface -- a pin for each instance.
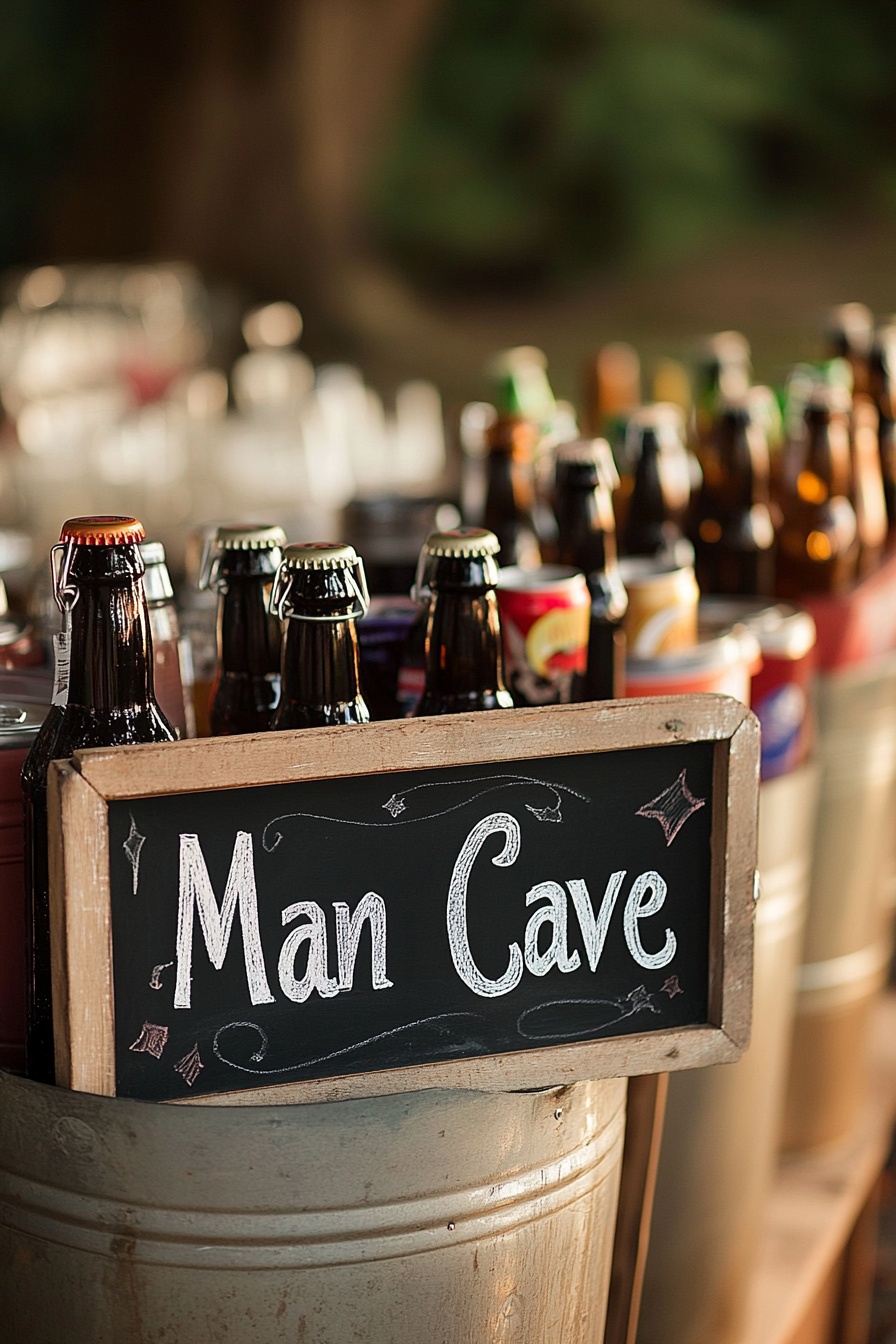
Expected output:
(345, 926)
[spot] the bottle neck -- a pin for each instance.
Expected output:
(463, 644)
(111, 647)
(827, 452)
(745, 469)
(509, 501)
(586, 535)
(247, 635)
(320, 667)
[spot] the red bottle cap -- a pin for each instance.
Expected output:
(104, 530)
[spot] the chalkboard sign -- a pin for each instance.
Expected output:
(397, 906)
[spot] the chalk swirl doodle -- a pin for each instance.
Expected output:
(439, 1021)
(613, 1012)
(397, 804)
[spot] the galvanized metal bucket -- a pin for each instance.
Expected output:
(449, 1216)
(847, 944)
(720, 1140)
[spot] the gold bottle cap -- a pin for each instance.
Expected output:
(320, 555)
(463, 543)
(250, 537)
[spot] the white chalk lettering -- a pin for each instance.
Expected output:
(371, 907)
(557, 953)
(636, 907)
(315, 934)
(458, 938)
(594, 931)
(195, 888)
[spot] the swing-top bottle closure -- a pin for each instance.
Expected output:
(298, 582)
(259, 537)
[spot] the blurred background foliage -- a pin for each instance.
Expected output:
(431, 179)
(557, 136)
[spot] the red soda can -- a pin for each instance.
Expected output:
(544, 622)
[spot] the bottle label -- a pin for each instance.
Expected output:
(62, 651)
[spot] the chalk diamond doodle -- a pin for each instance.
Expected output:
(132, 847)
(189, 1067)
(395, 806)
(672, 807)
(152, 1039)
(672, 987)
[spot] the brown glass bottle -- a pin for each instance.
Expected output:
(109, 700)
(174, 690)
(660, 488)
(586, 531)
(848, 334)
(464, 661)
(240, 564)
(510, 491)
(733, 533)
(818, 543)
(882, 386)
(319, 593)
(868, 495)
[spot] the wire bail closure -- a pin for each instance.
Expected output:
(284, 585)
(65, 593)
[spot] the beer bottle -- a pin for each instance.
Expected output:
(104, 697)
(733, 532)
(882, 368)
(171, 664)
(510, 490)
(240, 563)
(586, 531)
(612, 392)
(660, 489)
(464, 664)
(868, 495)
(723, 373)
(849, 331)
(818, 542)
(319, 593)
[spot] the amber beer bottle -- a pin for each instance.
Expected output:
(882, 373)
(104, 697)
(661, 487)
(733, 530)
(818, 543)
(240, 563)
(464, 664)
(510, 490)
(587, 540)
(319, 593)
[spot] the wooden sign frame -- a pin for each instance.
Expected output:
(80, 791)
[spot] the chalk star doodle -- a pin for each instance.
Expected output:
(152, 1039)
(672, 807)
(132, 847)
(190, 1066)
(672, 987)
(398, 803)
(640, 1000)
(546, 813)
(155, 980)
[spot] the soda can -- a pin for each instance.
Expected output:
(662, 606)
(544, 622)
(781, 693)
